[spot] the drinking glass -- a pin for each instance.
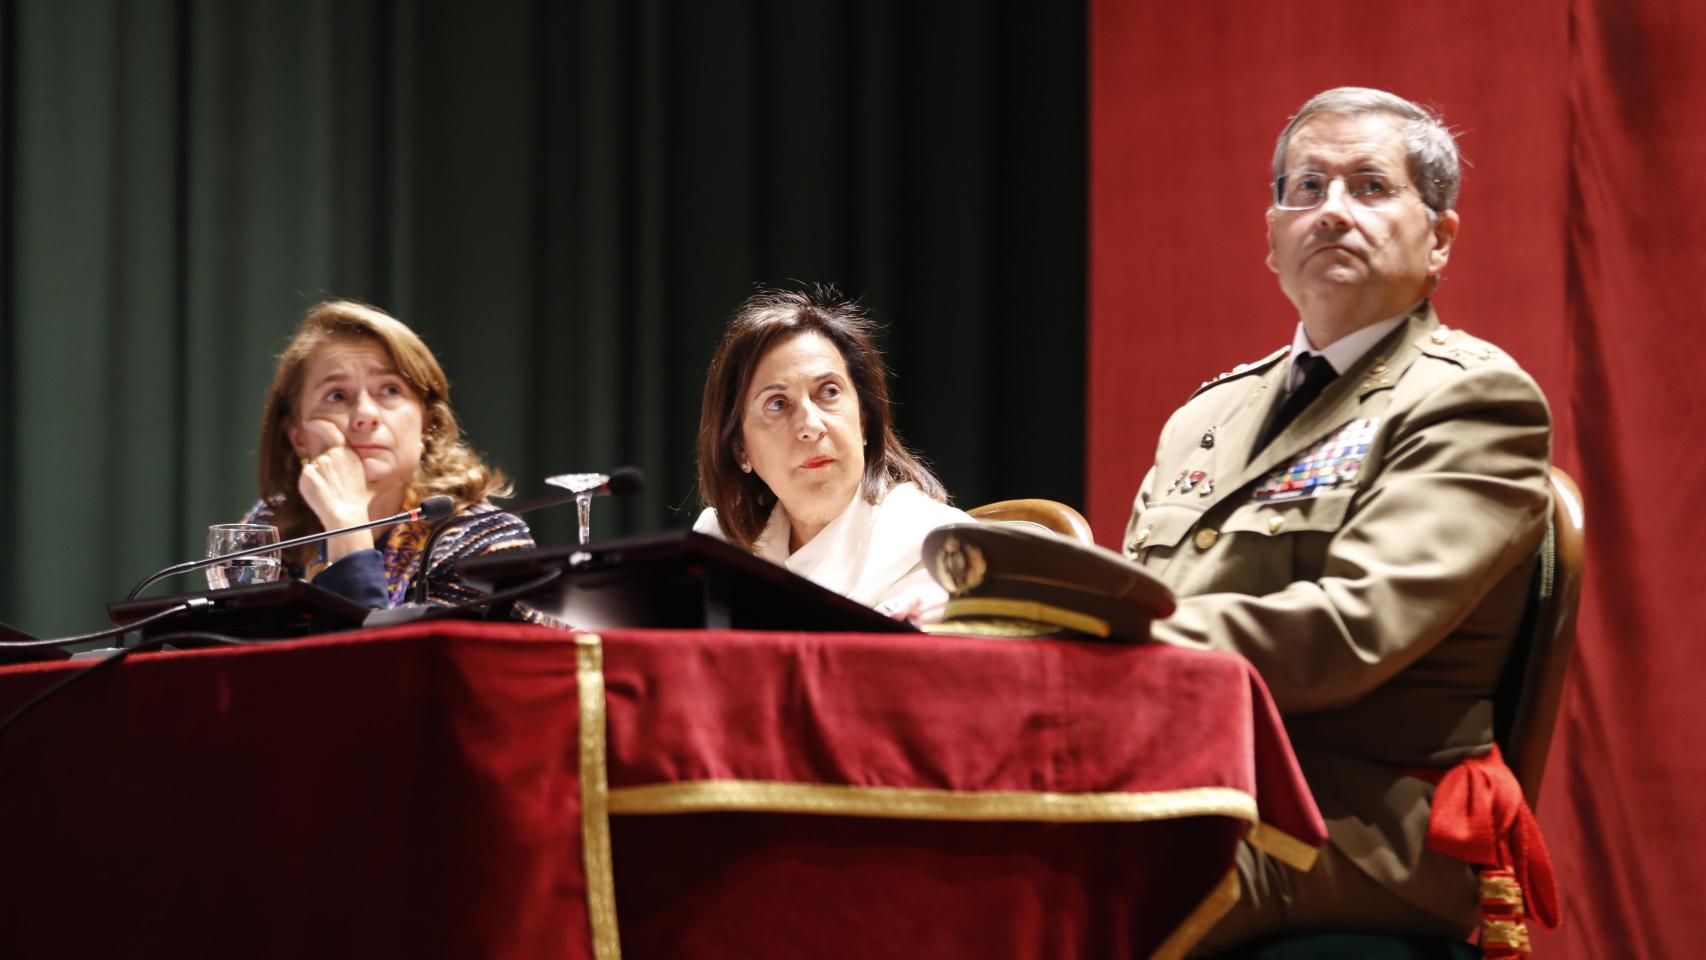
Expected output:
(223, 538)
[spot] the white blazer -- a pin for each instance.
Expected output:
(872, 553)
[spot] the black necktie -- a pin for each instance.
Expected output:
(1317, 373)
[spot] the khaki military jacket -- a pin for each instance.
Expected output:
(1372, 562)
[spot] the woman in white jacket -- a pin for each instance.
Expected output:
(798, 457)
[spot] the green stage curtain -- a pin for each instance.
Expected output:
(565, 198)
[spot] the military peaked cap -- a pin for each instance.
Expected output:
(1008, 581)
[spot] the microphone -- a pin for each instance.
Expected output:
(432, 508)
(580, 489)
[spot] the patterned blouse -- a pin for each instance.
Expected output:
(385, 576)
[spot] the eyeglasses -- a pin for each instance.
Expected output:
(1308, 190)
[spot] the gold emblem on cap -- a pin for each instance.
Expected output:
(959, 566)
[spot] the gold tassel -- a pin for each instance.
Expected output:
(1503, 934)
(1498, 886)
(1504, 937)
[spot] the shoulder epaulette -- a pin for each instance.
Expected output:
(1244, 368)
(1458, 347)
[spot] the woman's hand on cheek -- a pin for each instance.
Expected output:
(333, 482)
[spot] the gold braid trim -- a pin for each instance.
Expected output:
(1283, 846)
(961, 608)
(993, 627)
(1200, 920)
(910, 803)
(920, 804)
(595, 793)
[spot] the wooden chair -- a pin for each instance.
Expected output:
(1050, 515)
(1525, 706)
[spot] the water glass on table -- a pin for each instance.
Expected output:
(223, 538)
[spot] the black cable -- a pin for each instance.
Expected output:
(430, 507)
(152, 643)
(155, 642)
(193, 603)
(502, 596)
(51, 691)
(418, 589)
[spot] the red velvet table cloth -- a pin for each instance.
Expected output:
(497, 790)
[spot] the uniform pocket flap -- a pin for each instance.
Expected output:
(1164, 526)
(1323, 513)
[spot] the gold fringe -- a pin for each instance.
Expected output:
(595, 794)
(1201, 920)
(907, 803)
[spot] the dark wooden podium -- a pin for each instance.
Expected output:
(679, 580)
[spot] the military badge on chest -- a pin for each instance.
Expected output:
(1189, 480)
(1334, 461)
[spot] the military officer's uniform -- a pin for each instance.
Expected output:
(1372, 561)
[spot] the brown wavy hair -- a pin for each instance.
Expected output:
(448, 464)
(762, 321)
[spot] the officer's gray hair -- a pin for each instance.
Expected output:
(1432, 150)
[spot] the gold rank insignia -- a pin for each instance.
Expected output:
(960, 566)
(1242, 369)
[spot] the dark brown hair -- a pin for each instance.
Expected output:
(764, 320)
(448, 464)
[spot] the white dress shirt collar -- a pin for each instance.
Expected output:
(1342, 353)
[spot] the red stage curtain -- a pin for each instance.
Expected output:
(1581, 254)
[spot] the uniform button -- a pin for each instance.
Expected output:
(1142, 535)
(1439, 336)
(1275, 522)
(1206, 538)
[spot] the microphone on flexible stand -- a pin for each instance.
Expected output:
(579, 488)
(432, 508)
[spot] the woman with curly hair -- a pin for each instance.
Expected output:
(358, 426)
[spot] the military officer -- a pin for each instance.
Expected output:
(1358, 514)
